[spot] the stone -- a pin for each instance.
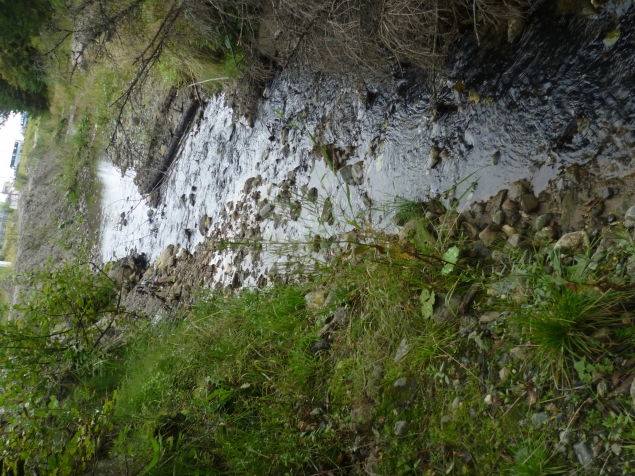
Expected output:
(499, 217)
(358, 172)
(518, 189)
(584, 453)
(400, 428)
(402, 350)
(265, 211)
(488, 317)
(568, 206)
(456, 403)
(611, 219)
(315, 300)
(203, 225)
(572, 174)
(616, 448)
(541, 221)
(633, 392)
(470, 230)
(519, 353)
(598, 209)
(509, 230)
(529, 203)
(346, 173)
(510, 206)
(488, 236)
(515, 24)
(537, 419)
(608, 193)
(166, 259)
(408, 230)
(489, 399)
(400, 382)
(602, 388)
(514, 241)
(446, 419)
(629, 217)
(573, 243)
(504, 373)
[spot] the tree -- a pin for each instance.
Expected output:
(13, 99)
(20, 23)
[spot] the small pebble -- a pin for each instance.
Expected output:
(611, 218)
(608, 193)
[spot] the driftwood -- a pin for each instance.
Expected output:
(155, 176)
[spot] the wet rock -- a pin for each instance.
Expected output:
(598, 209)
(265, 211)
(568, 208)
(498, 218)
(573, 243)
(518, 189)
(529, 203)
(358, 172)
(488, 235)
(611, 219)
(400, 428)
(584, 453)
(204, 224)
(572, 174)
(346, 173)
(515, 24)
(470, 230)
(514, 241)
(166, 259)
(541, 221)
(608, 193)
(510, 206)
(629, 217)
(433, 157)
(402, 350)
(509, 230)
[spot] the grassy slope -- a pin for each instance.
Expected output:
(238, 386)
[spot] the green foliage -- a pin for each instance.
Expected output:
(533, 459)
(20, 23)
(50, 342)
(568, 319)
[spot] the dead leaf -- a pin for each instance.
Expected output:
(532, 397)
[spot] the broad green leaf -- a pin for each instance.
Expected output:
(427, 303)
(451, 256)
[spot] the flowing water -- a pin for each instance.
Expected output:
(563, 94)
